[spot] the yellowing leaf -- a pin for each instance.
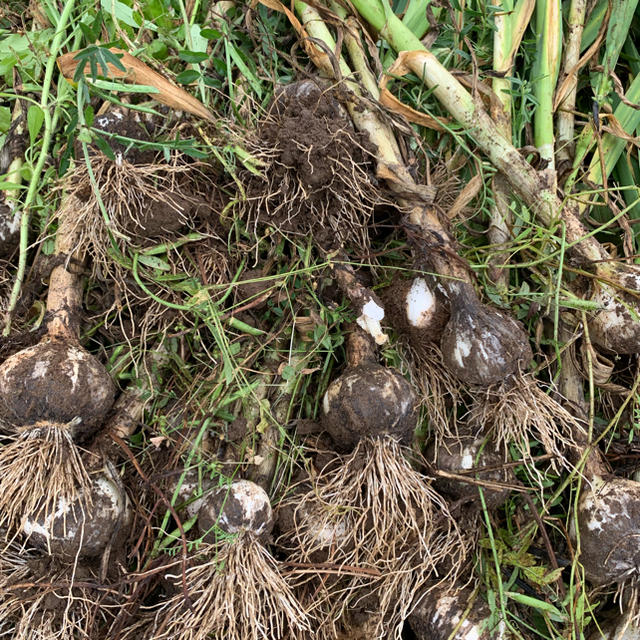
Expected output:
(137, 72)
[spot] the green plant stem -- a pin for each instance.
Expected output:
(510, 24)
(50, 123)
(545, 74)
(565, 118)
(533, 188)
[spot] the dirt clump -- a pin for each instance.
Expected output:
(368, 400)
(318, 171)
(55, 381)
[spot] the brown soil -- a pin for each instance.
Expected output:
(126, 124)
(459, 455)
(249, 292)
(56, 382)
(311, 149)
(429, 326)
(369, 401)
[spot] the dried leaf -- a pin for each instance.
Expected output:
(469, 192)
(137, 72)
(394, 104)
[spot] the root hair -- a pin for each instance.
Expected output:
(39, 468)
(372, 512)
(517, 410)
(280, 197)
(238, 593)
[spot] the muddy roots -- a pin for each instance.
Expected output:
(517, 410)
(142, 202)
(65, 603)
(40, 467)
(376, 518)
(238, 593)
(317, 171)
(438, 389)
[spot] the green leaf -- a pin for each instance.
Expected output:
(193, 57)
(198, 41)
(288, 372)
(188, 76)
(153, 262)
(541, 605)
(95, 57)
(5, 119)
(89, 115)
(122, 13)
(108, 85)
(85, 136)
(246, 72)
(105, 147)
(211, 34)
(35, 120)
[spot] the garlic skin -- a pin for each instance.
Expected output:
(439, 614)
(616, 629)
(418, 309)
(242, 507)
(55, 381)
(480, 345)
(371, 315)
(81, 529)
(420, 304)
(368, 400)
(609, 525)
(616, 326)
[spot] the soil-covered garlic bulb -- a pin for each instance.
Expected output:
(480, 345)
(619, 628)
(238, 590)
(9, 228)
(368, 400)
(84, 527)
(192, 492)
(318, 175)
(439, 614)
(242, 507)
(616, 326)
(461, 455)
(418, 308)
(609, 526)
(55, 381)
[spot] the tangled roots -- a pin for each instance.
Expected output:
(141, 201)
(41, 467)
(439, 390)
(379, 520)
(63, 603)
(517, 410)
(238, 593)
(318, 173)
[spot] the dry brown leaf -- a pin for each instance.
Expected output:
(469, 192)
(394, 104)
(137, 72)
